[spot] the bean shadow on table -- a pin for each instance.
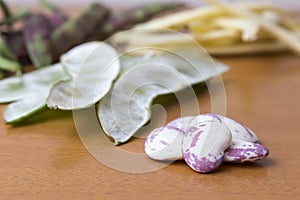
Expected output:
(260, 166)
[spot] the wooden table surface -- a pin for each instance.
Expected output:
(45, 159)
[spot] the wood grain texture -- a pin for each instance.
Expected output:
(45, 159)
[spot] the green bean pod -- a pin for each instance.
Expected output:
(8, 60)
(56, 15)
(77, 30)
(37, 31)
(128, 18)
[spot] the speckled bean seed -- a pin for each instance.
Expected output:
(164, 143)
(204, 143)
(242, 151)
(238, 130)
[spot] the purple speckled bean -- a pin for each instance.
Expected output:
(203, 146)
(204, 142)
(242, 151)
(164, 143)
(238, 130)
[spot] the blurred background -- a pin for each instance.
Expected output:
(294, 4)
